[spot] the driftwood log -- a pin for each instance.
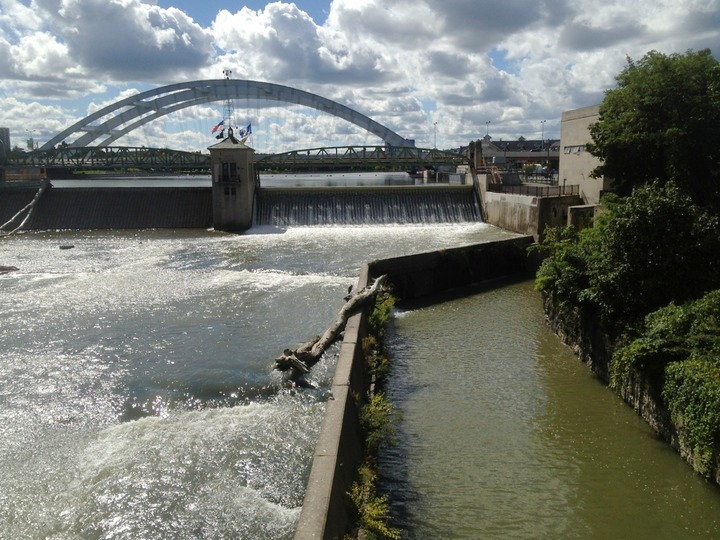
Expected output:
(299, 361)
(28, 207)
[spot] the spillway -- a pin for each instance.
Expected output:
(366, 205)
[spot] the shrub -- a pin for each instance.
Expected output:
(377, 418)
(377, 421)
(373, 512)
(692, 393)
(384, 302)
(681, 344)
(645, 251)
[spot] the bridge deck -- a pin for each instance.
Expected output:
(162, 159)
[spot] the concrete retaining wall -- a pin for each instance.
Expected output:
(111, 208)
(338, 453)
(325, 513)
(525, 214)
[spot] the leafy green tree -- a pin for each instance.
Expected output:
(658, 247)
(565, 271)
(647, 250)
(662, 122)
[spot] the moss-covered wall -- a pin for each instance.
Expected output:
(594, 346)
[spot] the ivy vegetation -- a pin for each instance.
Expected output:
(681, 344)
(377, 421)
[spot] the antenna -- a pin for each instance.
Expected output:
(228, 104)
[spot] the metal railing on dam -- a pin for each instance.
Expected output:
(535, 191)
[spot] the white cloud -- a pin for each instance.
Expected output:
(406, 63)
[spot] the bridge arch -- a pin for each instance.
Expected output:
(132, 112)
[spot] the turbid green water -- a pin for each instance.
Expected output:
(505, 434)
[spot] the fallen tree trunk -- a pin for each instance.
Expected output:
(28, 207)
(300, 360)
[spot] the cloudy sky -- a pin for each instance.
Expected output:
(445, 71)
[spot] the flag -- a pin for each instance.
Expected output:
(218, 127)
(245, 132)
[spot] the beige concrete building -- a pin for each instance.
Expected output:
(576, 163)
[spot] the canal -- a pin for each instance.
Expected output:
(504, 434)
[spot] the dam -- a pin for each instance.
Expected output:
(289, 200)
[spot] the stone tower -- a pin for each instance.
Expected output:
(233, 185)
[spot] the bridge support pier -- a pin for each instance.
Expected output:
(233, 185)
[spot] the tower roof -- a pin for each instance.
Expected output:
(229, 143)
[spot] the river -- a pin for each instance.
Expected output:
(137, 395)
(504, 434)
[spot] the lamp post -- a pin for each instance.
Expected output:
(32, 143)
(542, 137)
(434, 134)
(487, 128)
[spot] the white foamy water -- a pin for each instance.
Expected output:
(136, 377)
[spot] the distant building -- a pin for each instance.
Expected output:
(576, 163)
(517, 154)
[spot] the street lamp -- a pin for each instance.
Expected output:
(435, 135)
(32, 143)
(542, 137)
(487, 128)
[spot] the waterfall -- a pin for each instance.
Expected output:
(365, 205)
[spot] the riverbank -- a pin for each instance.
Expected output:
(641, 391)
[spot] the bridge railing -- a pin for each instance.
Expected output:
(344, 156)
(113, 157)
(143, 158)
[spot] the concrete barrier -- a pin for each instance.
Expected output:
(326, 513)
(527, 214)
(112, 208)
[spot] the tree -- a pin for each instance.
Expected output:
(662, 122)
(656, 247)
(647, 250)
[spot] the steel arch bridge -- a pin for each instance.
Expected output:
(130, 113)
